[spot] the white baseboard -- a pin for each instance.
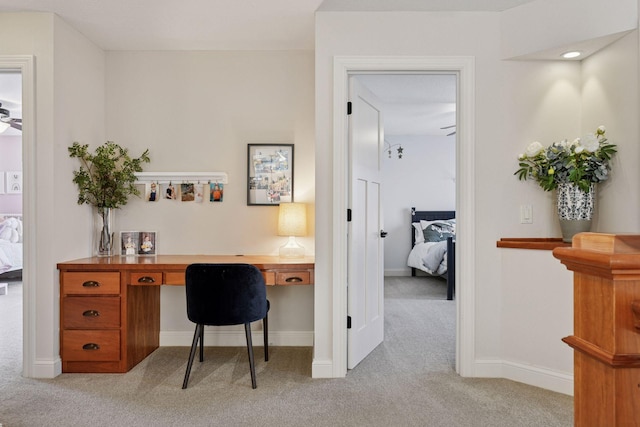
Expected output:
(322, 369)
(237, 338)
(45, 368)
(559, 382)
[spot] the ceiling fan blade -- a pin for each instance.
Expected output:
(448, 127)
(14, 124)
(452, 133)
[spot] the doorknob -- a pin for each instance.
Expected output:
(383, 234)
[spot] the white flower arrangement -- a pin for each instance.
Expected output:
(582, 162)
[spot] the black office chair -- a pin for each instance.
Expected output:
(226, 294)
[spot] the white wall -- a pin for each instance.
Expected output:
(196, 112)
(610, 97)
(538, 304)
(69, 87)
(425, 179)
(516, 102)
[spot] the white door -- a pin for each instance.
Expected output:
(365, 281)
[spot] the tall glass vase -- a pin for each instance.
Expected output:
(575, 209)
(104, 242)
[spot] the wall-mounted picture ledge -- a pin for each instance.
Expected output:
(178, 177)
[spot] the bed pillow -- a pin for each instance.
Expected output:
(438, 231)
(5, 232)
(418, 234)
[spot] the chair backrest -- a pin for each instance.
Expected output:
(225, 294)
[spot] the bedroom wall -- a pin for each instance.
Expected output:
(196, 111)
(10, 160)
(516, 102)
(424, 178)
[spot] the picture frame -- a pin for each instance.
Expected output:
(138, 243)
(269, 174)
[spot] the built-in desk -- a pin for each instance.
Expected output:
(110, 306)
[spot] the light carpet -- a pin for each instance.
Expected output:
(409, 380)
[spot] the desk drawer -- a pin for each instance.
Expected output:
(174, 278)
(91, 346)
(90, 282)
(302, 277)
(91, 312)
(145, 278)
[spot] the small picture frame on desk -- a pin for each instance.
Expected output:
(147, 243)
(269, 174)
(138, 243)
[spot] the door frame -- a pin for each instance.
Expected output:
(464, 66)
(25, 65)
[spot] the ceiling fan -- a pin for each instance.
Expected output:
(449, 127)
(6, 121)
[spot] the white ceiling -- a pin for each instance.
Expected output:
(218, 24)
(415, 105)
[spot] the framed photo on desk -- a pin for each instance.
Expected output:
(269, 174)
(138, 243)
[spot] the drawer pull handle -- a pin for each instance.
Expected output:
(91, 284)
(91, 313)
(293, 279)
(146, 279)
(91, 346)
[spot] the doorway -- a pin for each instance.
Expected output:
(416, 161)
(465, 201)
(24, 66)
(11, 224)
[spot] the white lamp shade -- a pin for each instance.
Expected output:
(292, 219)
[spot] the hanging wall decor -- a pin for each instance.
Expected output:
(14, 182)
(216, 192)
(269, 174)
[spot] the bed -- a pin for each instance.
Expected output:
(433, 245)
(10, 246)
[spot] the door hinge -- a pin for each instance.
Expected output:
(348, 322)
(348, 215)
(348, 108)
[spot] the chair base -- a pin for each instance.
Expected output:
(198, 336)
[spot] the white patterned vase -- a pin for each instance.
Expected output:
(575, 209)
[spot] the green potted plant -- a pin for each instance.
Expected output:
(573, 169)
(105, 180)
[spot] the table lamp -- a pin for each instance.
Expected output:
(292, 222)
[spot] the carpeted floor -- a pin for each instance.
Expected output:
(409, 380)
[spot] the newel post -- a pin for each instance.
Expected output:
(606, 336)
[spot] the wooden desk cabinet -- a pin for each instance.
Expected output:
(110, 307)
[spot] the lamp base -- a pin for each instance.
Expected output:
(292, 249)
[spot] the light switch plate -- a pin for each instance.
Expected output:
(526, 214)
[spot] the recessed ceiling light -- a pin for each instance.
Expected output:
(571, 54)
